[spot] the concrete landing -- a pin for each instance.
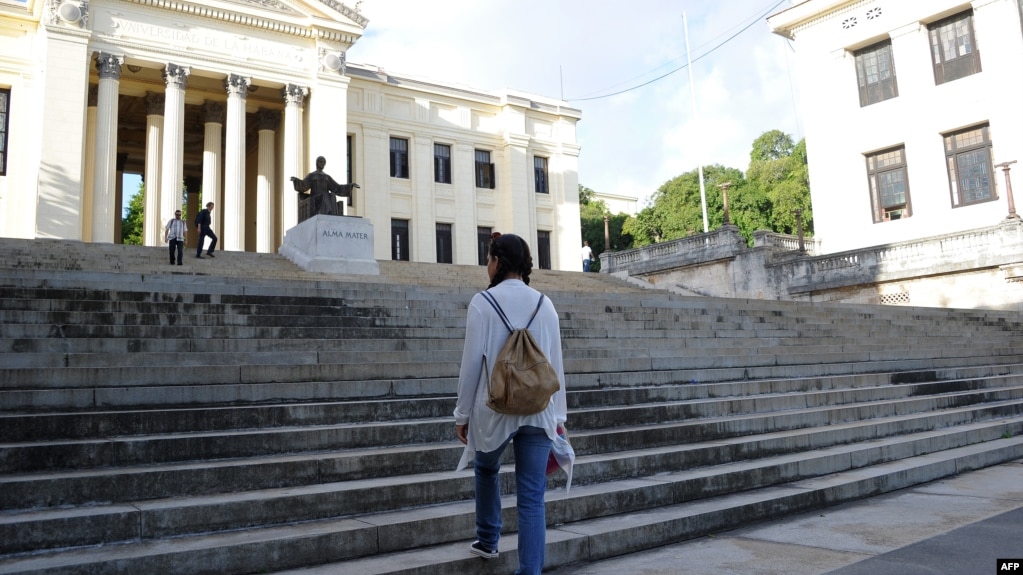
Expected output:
(956, 526)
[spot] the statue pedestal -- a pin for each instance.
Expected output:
(332, 244)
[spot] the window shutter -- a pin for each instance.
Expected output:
(493, 177)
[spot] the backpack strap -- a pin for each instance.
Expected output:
(504, 318)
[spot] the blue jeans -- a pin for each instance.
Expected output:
(532, 447)
(586, 265)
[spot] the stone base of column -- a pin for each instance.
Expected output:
(332, 244)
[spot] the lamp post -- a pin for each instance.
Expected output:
(1008, 189)
(799, 229)
(607, 233)
(724, 195)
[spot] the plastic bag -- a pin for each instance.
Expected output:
(562, 457)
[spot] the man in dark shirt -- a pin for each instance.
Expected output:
(203, 223)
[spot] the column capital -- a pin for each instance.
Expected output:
(154, 104)
(213, 112)
(109, 66)
(237, 85)
(176, 76)
(267, 119)
(294, 95)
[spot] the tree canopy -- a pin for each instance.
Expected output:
(768, 196)
(131, 223)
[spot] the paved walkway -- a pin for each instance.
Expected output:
(955, 526)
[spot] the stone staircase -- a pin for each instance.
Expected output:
(239, 415)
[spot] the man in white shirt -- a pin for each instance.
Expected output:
(587, 256)
(174, 233)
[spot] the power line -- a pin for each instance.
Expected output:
(683, 66)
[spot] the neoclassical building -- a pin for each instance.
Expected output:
(226, 100)
(911, 112)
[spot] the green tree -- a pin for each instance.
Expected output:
(131, 223)
(591, 215)
(676, 209)
(778, 179)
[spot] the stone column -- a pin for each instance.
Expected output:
(212, 157)
(172, 167)
(104, 184)
(233, 210)
(90, 165)
(153, 230)
(266, 123)
(294, 154)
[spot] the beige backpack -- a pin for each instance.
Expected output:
(523, 380)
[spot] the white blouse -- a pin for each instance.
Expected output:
(485, 333)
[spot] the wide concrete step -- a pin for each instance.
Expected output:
(605, 537)
(621, 451)
(676, 421)
(232, 389)
(744, 395)
(635, 513)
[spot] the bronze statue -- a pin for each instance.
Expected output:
(322, 190)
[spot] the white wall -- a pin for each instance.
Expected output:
(839, 132)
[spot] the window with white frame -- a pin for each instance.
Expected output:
(875, 73)
(399, 158)
(442, 163)
(540, 175)
(968, 157)
(5, 116)
(484, 170)
(889, 184)
(954, 48)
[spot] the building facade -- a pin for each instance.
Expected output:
(226, 100)
(912, 115)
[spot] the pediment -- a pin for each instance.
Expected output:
(329, 20)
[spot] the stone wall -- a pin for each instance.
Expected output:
(980, 268)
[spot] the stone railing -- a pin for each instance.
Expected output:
(775, 268)
(722, 243)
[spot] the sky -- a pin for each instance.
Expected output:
(583, 51)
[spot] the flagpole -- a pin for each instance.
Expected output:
(692, 98)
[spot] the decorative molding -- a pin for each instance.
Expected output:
(70, 13)
(176, 76)
(293, 94)
(109, 66)
(246, 19)
(275, 5)
(346, 11)
(237, 85)
(332, 61)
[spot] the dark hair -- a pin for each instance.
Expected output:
(512, 253)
